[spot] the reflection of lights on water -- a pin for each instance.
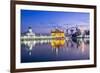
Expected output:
(30, 53)
(30, 44)
(57, 44)
(41, 41)
(82, 45)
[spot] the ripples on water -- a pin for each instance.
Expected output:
(54, 50)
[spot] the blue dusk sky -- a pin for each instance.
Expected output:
(45, 21)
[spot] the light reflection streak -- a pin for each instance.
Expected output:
(58, 44)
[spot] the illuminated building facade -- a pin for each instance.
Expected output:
(57, 33)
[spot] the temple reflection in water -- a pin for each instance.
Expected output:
(56, 47)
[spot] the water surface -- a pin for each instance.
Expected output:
(54, 50)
